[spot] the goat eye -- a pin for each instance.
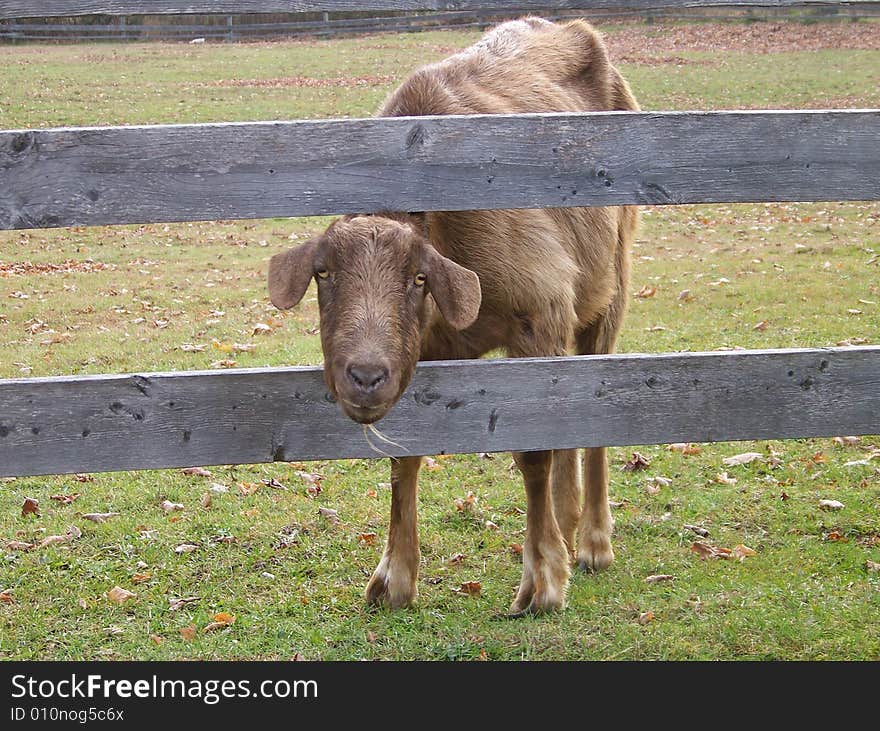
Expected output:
(419, 279)
(323, 273)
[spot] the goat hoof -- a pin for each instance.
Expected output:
(386, 589)
(595, 553)
(536, 604)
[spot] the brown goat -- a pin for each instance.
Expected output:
(396, 288)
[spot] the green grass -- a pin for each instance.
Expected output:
(800, 268)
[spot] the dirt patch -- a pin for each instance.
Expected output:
(647, 44)
(23, 268)
(306, 81)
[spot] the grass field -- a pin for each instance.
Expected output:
(274, 578)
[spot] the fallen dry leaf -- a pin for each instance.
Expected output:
(186, 548)
(366, 539)
(432, 465)
(205, 500)
(30, 506)
(6, 597)
(702, 532)
(371, 636)
(119, 595)
(261, 328)
(218, 488)
(744, 458)
(646, 617)
(72, 533)
(836, 537)
(372, 493)
(225, 363)
(188, 633)
(329, 514)
(705, 551)
(722, 478)
(638, 462)
(156, 639)
(819, 458)
(224, 618)
(273, 483)
(65, 499)
(456, 558)
(657, 578)
(169, 507)
(175, 604)
(761, 326)
(830, 504)
(252, 513)
(490, 525)
(646, 292)
(686, 448)
(872, 565)
(847, 441)
(248, 488)
(196, 472)
(98, 517)
(468, 502)
(685, 296)
(469, 588)
(516, 549)
(140, 578)
(18, 546)
(740, 551)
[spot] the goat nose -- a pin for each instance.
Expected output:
(367, 377)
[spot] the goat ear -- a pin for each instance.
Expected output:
(290, 273)
(456, 290)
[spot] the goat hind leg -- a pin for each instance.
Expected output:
(565, 482)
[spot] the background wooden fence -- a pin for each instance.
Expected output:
(98, 176)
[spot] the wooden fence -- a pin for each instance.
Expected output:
(99, 176)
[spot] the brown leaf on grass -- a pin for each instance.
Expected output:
(65, 499)
(819, 458)
(366, 539)
(329, 514)
(248, 488)
(467, 503)
(224, 618)
(273, 483)
(312, 480)
(261, 328)
(657, 578)
(432, 465)
(469, 588)
(456, 558)
(175, 604)
(188, 633)
(140, 578)
(722, 478)
(740, 459)
(516, 549)
(170, 507)
(638, 462)
(72, 533)
(490, 525)
(196, 472)
(835, 536)
(872, 565)
(30, 506)
(83, 477)
(831, 504)
(705, 551)
(118, 595)
(761, 326)
(847, 441)
(156, 639)
(741, 551)
(191, 348)
(700, 531)
(6, 597)
(372, 493)
(371, 637)
(205, 500)
(18, 546)
(686, 448)
(685, 295)
(98, 517)
(252, 513)
(646, 617)
(225, 363)
(646, 292)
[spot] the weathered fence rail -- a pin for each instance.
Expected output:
(96, 176)
(140, 421)
(59, 8)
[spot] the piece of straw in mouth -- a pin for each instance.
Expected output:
(371, 428)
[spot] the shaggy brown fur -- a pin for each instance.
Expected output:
(395, 288)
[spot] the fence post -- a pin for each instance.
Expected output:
(230, 34)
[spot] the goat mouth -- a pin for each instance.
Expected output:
(363, 414)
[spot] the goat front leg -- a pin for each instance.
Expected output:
(394, 582)
(545, 557)
(594, 532)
